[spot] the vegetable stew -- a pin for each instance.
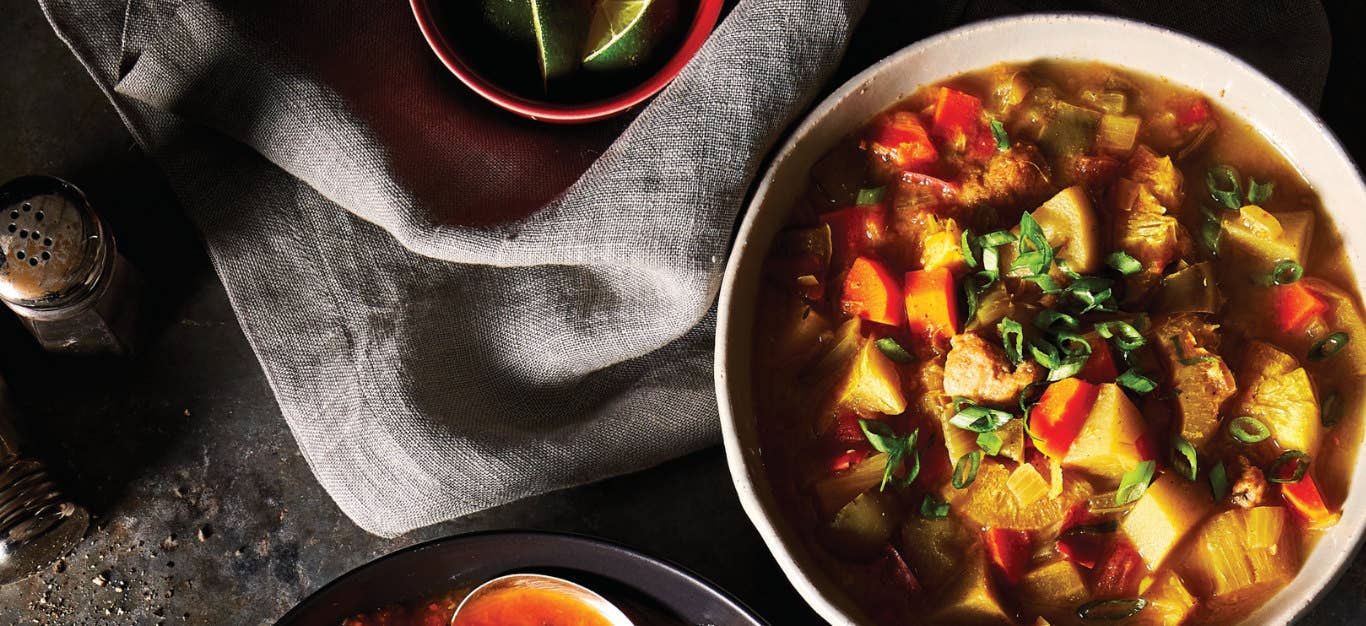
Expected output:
(1059, 343)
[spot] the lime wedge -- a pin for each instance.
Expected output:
(554, 29)
(624, 32)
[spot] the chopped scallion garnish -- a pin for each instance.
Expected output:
(996, 238)
(1248, 429)
(1222, 182)
(1285, 273)
(1111, 610)
(1134, 483)
(898, 449)
(1045, 282)
(1181, 353)
(1012, 335)
(1330, 410)
(933, 508)
(971, 249)
(1210, 231)
(894, 351)
(1135, 381)
(1123, 334)
(1028, 399)
(1123, 263)
(1184, 460)
(990, 443)
(980, 419)
(870, 196)
(1072, 344)
(1277, 472)
(1258, 193)
(998, 130)
(965, 471)
(1035, 253)
(1328, 346)
(1218, 481)
(1048, 319)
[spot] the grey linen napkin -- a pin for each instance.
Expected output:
(429, 369)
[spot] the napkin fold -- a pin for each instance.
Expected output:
(456, 307)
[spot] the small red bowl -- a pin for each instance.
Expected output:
(704, 19)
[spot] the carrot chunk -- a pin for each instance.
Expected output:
(1120, 571)
(1304, 497)
(1009, 550)
(854, 231)
(872, 293)
(1295, 306)
(1060, 414)
(1100, 368)
(931, 303)
(956, 118)
(901, 139)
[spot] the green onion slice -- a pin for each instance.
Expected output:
(1276, 473)
(961, 402)
(1072, 344)
(1135, 482)
(1044, 353)
(894, 351)
(1111, 610)
(970, 298)
(1135, 381)
(1045, 282)
(996, 238)
(1012, 335)
(1028, 398)
(1123, 263)
(990, 443)
(1285, 272)
(1210, 232)
(1066, 269)
(980, 419)
(1035, 253)
(1248, 429)
(1222, 181)
(1258, 193)
(1181, 353)
(1047, 319)
(870, 196)
(898, 448)
(998, 130)
(971, 249)
(1218, 481)
(933, 508)
(1330, 410)
(965, 471)
(1123, 334)
(1328, 346)
(1184, 459)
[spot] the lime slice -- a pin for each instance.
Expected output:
(624, 32)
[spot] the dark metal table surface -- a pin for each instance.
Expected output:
(205, 511)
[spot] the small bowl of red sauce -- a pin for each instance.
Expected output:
(566, 61)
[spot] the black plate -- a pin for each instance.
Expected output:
(629, 578)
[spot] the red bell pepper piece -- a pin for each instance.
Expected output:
(854, 231)
(1294, 306)
(1082, 548)
(932, 304)
(901, 139)
(1060, 414)
(1305, 499)
(893, 571)
(1192, 112)
(872, 293)
(1119, 571)
(1009, 550)
(957, 118)
(848, 433)
(1100, 368)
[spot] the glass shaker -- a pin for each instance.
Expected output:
(59, 269)
(37, 524)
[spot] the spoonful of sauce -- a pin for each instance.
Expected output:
(536, 600)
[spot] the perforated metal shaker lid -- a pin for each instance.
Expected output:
(54, 247)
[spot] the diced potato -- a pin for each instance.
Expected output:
(796, 335)
(1107, 445)
(1193, 289)
(1343, 316)
(1242, 554)
(944, 248)
(1255, 240)
(834, 491)
(1278, 392)
(1203, 379)
(863, 526)
(1117, 133)
(866, 380)
(1069, 222)
(1012, 440)
(1010, 91)
(1053, 591)
(1027, 485)
(970, 597)
(982, 502)
(933, 548)
(959, 441)
(1170, 508)
(1169, 602)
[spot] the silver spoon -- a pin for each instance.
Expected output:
(588, 597)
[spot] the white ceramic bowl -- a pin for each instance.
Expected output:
(1286, 123)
